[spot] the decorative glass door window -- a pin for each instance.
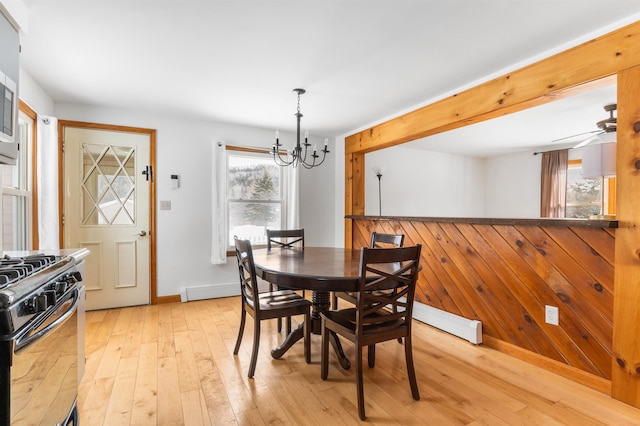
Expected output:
(108, 185)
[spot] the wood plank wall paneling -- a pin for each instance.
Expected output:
(626, 377)
(504, 275)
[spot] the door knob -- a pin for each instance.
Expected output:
(141, 234)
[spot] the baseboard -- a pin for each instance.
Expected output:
(167, 299)
(209, 291)
(464, 328)
(594, 382)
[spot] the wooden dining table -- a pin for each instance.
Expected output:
(321, 270)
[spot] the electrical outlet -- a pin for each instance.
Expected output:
(165, 205)
(551, 315)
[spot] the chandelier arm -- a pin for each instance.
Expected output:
(324, 155)
(277, 158)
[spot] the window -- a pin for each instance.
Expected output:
(256, 194)
(17, 189)
(588, 197)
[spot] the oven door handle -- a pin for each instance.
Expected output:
(35, 332)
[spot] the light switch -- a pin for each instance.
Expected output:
(165, 205)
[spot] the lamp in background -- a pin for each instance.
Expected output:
(599, 160)
(296, 153)
(379, 170)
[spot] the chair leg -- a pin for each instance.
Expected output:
(359, 382)
(288, 325)
(411, 372)
(243, 318)
(395, 311)
(324, 353)
(254, 352)
(307, 337)
(371, 356)
(334, 301)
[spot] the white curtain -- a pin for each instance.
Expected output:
(293, 198)
(47, 163)
(219, 210)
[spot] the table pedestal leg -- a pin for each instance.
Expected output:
(292, 338)
(320, 302)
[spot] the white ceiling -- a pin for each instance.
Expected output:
(361, 61)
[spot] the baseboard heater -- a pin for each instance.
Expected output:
(208, 291)
(462, 327)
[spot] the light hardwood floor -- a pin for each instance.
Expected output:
(173, 364)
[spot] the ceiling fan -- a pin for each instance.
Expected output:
(607, 125)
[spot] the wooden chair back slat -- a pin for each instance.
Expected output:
(285, 238)
(393, 269)
(380, 240)
(247, 272)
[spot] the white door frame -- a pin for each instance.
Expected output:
(152, 188)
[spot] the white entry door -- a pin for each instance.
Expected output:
(106, 210)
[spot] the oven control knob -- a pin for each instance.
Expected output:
(50, 297)
(30, 305)
(76, 276)
(61, 287)
(41, 303)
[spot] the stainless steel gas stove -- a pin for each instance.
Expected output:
(39, 299)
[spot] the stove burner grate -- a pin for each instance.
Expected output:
(13, 269)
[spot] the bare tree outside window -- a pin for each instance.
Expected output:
(584, 196)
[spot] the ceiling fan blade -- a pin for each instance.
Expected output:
(575, 136)
(588, 140)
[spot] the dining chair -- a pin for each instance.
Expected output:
(371, 321)
(378, 240)
(267, 305)
(285, 238)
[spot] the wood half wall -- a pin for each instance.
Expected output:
(613, 55)
(504, 272)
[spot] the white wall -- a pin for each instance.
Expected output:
(34, 96)
(184, 147)
(423, 183)
(513, 186)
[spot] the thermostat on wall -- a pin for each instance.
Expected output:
(175, 181)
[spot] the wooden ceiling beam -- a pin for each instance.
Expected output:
(547, 80)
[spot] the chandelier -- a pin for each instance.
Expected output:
(298, 154)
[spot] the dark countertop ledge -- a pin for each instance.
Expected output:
(582, 223)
